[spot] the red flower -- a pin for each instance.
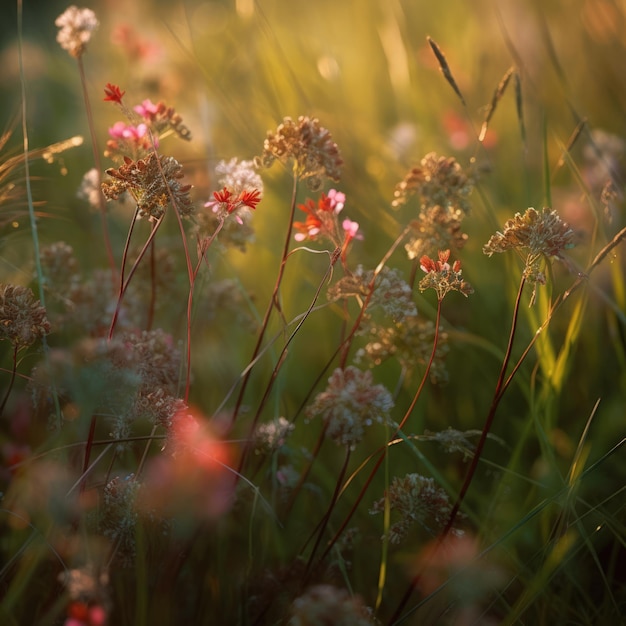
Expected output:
(113, 93)
(250, 198)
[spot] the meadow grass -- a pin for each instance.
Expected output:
(313, 313)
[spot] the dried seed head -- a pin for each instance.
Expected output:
(153, 184)
(542, 233)
(350, 403)
(309, 145)
(416, 499)
(22, 318)
(410, 341)
(438, 181)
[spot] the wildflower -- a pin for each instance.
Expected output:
(392, 294)
(322, 222)
(158, 406)
(226, 202)
(242, 190)
(416, 499)
(271, 436)
(544, 234)
(88, 589)
(22, 318)
(350, 403)
(438, 181)
(309, 145)
(326, 604)
(129, 138)
(452, 440)
(76, 26)
(604, 159)
(435, 228)
(119, 516)
(90, 189)
(60, 264)
(153, 184)
(161, 117)
(239, 176)
(410, 342)
(113, 93)
(443, 278)
(321, 218)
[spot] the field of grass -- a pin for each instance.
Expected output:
(313, 313)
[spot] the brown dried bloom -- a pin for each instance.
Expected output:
(315, 155)
(436, 228)
(416, 499)
(350, 403)
(76, 26)
(392, 294)
(151, 189)
(325, 604)
(119, 516)
(411, 343)
(443, 278)
(542, 233)
(437, 181)
(22, 318)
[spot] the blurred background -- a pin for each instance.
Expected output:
(234, 68)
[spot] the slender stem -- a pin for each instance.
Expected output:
(381, 451)
(124, 283)
(8, 393)
(152, 305)
(281, 360)
(273, 300)
(497, 396)
(328, 513)
(31, 207)
(98, 165)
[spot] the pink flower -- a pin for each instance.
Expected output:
(336, 199)
(121, 130)
(147, 109)
(351, 229)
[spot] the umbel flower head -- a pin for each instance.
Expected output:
(76, 26)
(416, 499)
(437, 181)
(540, 232)
(309, 146)
(22, 318)
(325, 604)
(152, 183)
(241, 191)
(442, 191)
(443, 278)
(349, 404)
(543, 234)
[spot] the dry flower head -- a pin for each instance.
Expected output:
(309, 146)
(349, 404)
(22, 318)
(153, 184)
